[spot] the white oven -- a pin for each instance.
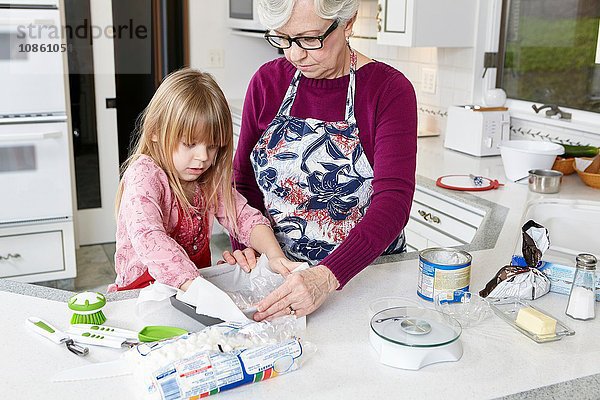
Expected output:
(31, 61)
(34, 171)
(243, 15)
(37, 241)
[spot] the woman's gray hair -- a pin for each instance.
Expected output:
(274, 14)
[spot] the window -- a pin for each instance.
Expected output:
(549, 52)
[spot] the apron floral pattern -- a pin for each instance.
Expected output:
(315, 178)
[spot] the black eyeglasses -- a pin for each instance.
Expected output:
(304, 42)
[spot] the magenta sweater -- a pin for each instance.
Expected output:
(386, 114)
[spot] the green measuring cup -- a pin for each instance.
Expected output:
(154, 333)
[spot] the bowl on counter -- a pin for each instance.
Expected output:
(545, 180)
(467, 308)
(520, 156)
(564, 165)
(590, 175)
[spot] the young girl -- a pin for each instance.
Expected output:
(176, 182)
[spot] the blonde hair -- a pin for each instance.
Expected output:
(274, 14)
(188, 106)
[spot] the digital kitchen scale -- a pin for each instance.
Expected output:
(413, 337)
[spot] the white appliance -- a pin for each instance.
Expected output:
(476, 130)
(31, 65)
(36, 206)
(414, 337)
(34, 171)
(243, 15)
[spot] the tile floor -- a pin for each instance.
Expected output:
(95, 264)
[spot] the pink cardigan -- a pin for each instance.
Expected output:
(148, 215)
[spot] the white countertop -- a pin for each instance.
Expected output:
(497, 359)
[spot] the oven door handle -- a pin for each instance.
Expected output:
(12, 137)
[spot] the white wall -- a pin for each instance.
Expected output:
(454, 67)
(459, 70)
(241, 55)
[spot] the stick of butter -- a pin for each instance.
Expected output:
(535, 321)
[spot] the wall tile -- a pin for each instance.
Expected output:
(445, 77)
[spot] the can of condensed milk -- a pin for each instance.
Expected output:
(443, 269)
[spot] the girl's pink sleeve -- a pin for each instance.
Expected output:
(247, 218)
(145, 201)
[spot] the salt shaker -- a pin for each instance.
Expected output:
(583, 291)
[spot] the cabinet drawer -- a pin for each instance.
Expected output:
(442, 222)
(33, 253)
(435, 238)
(414, 239)
(462, 213)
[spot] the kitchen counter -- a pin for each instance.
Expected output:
(498, 361)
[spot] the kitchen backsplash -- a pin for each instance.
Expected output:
(454, 70)
(529, 130)
(453, 67)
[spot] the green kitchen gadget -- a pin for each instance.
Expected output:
(87, 308)
(147, 334)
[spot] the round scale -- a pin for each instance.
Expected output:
(413, 337)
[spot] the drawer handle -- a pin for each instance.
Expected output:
(9, 256)
(429, 218)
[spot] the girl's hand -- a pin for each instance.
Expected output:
(282, 265)
(186, 285)
(301, 293)
(246, 258)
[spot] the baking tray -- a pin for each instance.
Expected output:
(507, 309)
(190, 311)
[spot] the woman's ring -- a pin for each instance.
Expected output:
(292, 311)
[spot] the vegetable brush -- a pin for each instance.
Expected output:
(87, 308)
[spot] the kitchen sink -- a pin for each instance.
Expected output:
(573, 225)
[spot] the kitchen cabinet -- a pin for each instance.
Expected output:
(439, 221)
(426, 23)
(37, 252)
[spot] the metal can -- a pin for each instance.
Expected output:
(443, 269)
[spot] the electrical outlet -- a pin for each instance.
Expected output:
(215, 58)
(428, 80)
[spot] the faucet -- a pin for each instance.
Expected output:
(553, 111)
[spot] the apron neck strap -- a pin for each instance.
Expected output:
(290, 95)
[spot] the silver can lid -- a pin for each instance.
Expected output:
(586, 261)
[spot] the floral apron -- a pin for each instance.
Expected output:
(315, 178)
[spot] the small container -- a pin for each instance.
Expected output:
(508, 309)
(564, 165)
(582, 299)
(443, 269)
(545, 180)
(467, 308)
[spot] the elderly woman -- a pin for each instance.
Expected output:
(327, 150)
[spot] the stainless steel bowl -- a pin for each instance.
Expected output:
(545, 180)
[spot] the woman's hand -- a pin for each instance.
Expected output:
(301, 293)
(246, 258)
